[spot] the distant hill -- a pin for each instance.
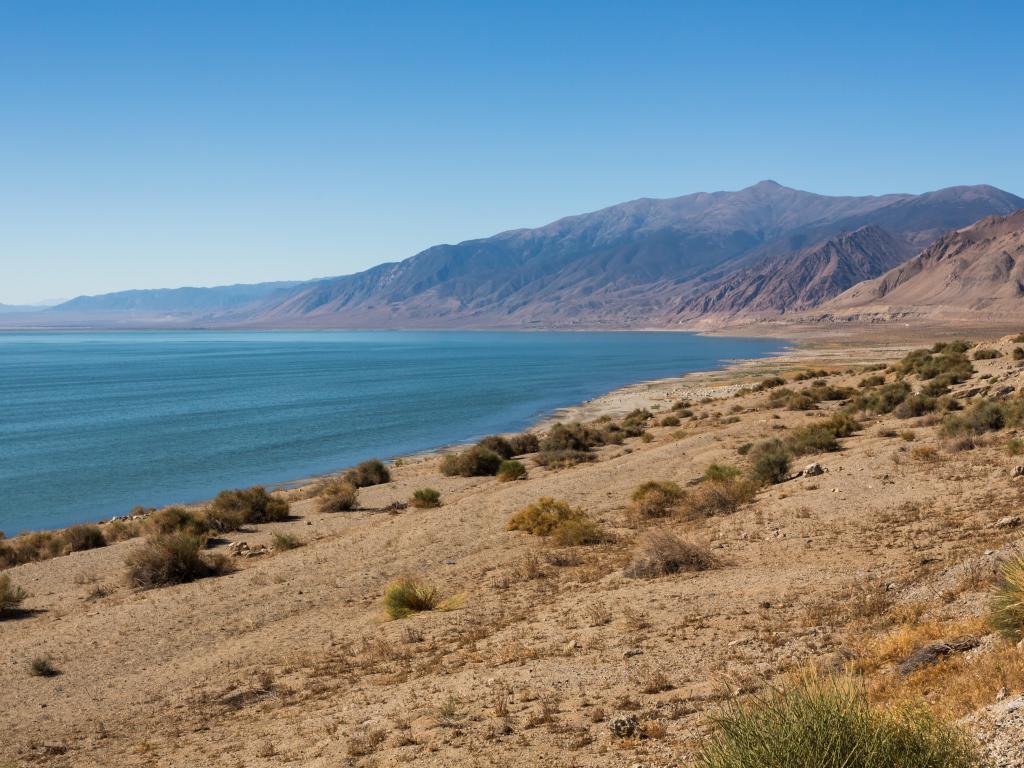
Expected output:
(640, 263)
(975, 271)
(190, 301)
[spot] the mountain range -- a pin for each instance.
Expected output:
(704, 258)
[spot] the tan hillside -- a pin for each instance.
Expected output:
(561, 651)
(977, 271)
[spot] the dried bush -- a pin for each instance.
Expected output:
(656, 498)
(339, 496)
(408, 595)
(511, 470)
(11, 596)
(769, 461)
(659, 553)
(367, 473)
(426, 498)
(254, 504)
(172, 558)
(473, 462)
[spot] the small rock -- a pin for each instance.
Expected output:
(1009, 521)
(930, 654)
(628, 654)
(625, 727)
(813, 469)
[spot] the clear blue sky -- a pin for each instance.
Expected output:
(159, 144)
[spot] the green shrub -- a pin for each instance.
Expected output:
(172, 558)
(81, 537)
(339, 496)
(254, 505)
(174, 519)
(523, 443)
(511, 470)
(982, 416)
(408, 595)
(656, 498)
(282, 542)
(943, 359)
(884, 399)
(571, 437)
(426, 498)
(499, 445)
(819, 373)
(670, 421)
(831, 724)
(659, 553)
(769, 462)
(1007, 611)
(367, 473)
(987, 354)
(744, 449)
(578, 533)
(473, 462)
(811, 438)
(11, 596)
(870, 382)
(721, 472)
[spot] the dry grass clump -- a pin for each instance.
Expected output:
(1007, 611)
(987, 354)
(815, 723)
(11, 595)
(425, 498)
(367, 473)
(769, 461)
(253, 505)
(655, 498)
(565, 525)
(78, 538)
(172, 558)
(523, 443)
(511, 470)
(670, 421)
(770, 382)
(282, 542)
(477, 461)
(42, 666)
(499, 445)
(339, 496)
(659, 553)
(174, 519)
(408, 595)
(563, 458)
(984, 416)
(721, 472)
(718, 497)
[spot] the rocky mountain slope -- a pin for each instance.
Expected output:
(975, 271)
(801, 280)
(179, 300)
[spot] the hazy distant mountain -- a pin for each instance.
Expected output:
(975, 271)
(803, 279)
(761, 250)
(632, 264)
(190, 301)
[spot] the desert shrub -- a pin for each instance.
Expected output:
(670, 421)
(571, 437)
(869, 382)
(656, 498)
(683, 413)
(254, 504)
(339, 496)
(174, 519)
(81, 537)
(659, 553)
(636, 419)
(943, 359)
(566, 525)
(771, 382)
(579, 532)
(983, 416)
(11, 596)
(524, 442)
(681, 405)
(884, 399)
(769, 461)
(1018, 353)
(172, 558)
(499, 445)
(822, 391)
(1015, 446)
(367, 473)
(987, 354)
(937, 387)
(282, 542)
(908, 436)
(744, 449)
(1007, 609)
(426, 498)
(1018, 339)
(914, 405)
(721, 472)
(819, 373)
(408, 595)
(121, 530)
(473, 462)
(42, 666)
(224, 519)
(562, 459)
(831, 724)
(511, 470)
(718, 497)
(811, 438)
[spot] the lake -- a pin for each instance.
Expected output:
(92, 424)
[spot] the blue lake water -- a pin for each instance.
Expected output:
(92, 424)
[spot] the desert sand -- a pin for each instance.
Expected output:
(291, 659)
